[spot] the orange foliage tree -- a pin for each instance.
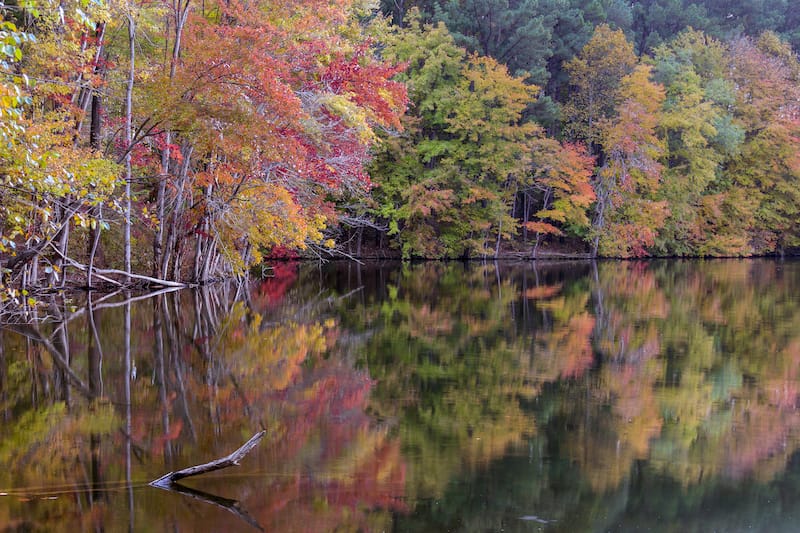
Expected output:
(275, 104)
(628, 216)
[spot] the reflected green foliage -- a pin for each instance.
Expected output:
(451, 367)
(420, 397)
(674, 392)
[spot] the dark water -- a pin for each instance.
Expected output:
(655, 396)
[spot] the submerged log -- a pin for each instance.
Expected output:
(167, 480)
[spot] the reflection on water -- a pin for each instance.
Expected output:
(426, 397)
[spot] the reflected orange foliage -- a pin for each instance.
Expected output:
(543, 292)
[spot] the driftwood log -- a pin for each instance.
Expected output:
(168, 480)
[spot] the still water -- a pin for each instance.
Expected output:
(658, 396)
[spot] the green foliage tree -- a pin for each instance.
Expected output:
(516, 33)
(447, 183)
(595, 75)
(50, 179)
(751, 18)
(628, 213)
(659, 21)
(766, 74)
(701, 135)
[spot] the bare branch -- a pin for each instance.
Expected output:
(233, 459)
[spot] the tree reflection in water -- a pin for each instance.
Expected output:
(415, 397)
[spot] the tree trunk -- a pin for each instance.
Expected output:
(96, 127)
(499, 235)
(545, 205)
(87, 93)
(180, 12)
(128, 139)
(61, 246)
(526, 215)
(95, 238)
(177, 210)
(599, 220)
(161, 189)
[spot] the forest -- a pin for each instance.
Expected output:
(168, 142)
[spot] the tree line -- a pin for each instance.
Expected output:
(174, 141)
(680, 147)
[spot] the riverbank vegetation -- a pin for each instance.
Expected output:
(176, 141)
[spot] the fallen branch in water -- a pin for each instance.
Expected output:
(233, 459)
(232, 506)
(98, 272)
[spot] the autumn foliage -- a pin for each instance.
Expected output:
(212, 136)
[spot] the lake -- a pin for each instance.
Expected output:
(574, 396)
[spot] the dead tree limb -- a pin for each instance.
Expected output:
(109, 271)
(233, 459)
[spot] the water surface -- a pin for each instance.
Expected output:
(657, 396)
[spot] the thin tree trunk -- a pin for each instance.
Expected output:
(176, 264)
(545, 205)
(95, 134)
(599, 221)
(526, 210)
(180, 11)
(497, 243)
(172, 230)
(95, 234)
(211, 251)
(161, 189)
(197, 253)
(25, 275)
(96, 125)
(63, 241)
(86, 94)
(128, 275)
(128, 139)
(35, 270)
(204, 243)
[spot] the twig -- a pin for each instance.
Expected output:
(233, 459)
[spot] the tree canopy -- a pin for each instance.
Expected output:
(170, 142)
